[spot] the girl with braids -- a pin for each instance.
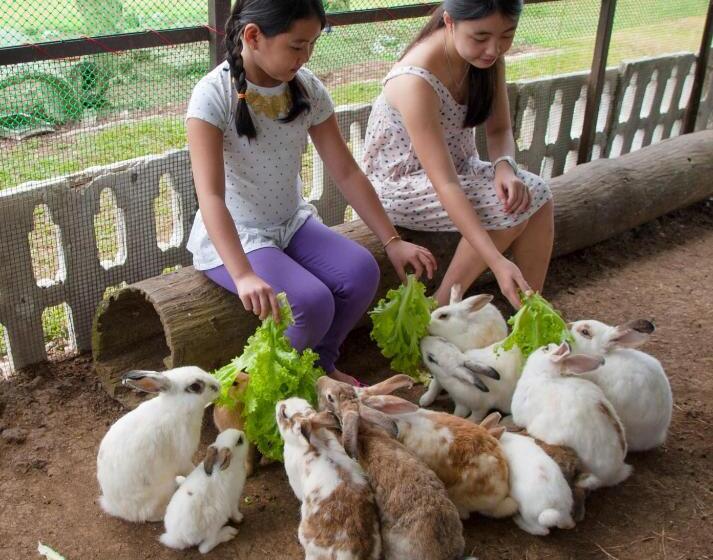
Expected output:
(420, 149)
(254, 234)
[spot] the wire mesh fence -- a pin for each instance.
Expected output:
(67, 115)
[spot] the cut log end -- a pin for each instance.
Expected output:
(128, 334)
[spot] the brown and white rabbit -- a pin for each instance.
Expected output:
(339, 516)
(417, 518)
(465, 456)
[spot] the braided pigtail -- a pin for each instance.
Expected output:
(234, 47)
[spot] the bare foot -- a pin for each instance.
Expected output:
(344, 378)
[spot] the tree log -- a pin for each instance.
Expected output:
(183, 318)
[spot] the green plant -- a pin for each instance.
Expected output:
(400, 321)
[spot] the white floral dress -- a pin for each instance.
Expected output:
(408, 196)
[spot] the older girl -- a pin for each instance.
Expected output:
(421, 155)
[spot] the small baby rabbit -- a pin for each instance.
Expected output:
(634, 382)
(199, 510)
(466, 457)
(468, 323)
(143, 452)
(567, 410)
(477, 380)
(340, 520)
(417, 518)
(538, 486)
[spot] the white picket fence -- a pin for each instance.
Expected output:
(643, 103)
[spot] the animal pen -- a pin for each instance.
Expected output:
(611, 100)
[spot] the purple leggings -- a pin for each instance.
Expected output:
(329, 280)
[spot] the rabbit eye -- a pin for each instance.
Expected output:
(431, 358)
(444, 315)
(330, 398)
(195, 387)
(239, 442)
(585, 333)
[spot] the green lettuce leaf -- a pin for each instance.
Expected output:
(277, 371)
(536, 324)
(400, 321)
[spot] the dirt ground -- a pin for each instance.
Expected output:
(53, 416)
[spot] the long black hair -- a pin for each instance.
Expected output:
(272, 17)
(481, 82)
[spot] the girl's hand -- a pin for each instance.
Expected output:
(257, 296)
(510, 280)
(402, 253)
(511, 191)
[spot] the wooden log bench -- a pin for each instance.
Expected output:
(183, 318)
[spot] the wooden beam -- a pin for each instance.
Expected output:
(218, 14)
(596, 80)
(689, 121)
(95, 45)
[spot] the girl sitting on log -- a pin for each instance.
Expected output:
(420, 149)
(254, 234)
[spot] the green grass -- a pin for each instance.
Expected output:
(37, 159)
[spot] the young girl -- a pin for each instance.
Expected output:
(254, 234)
(420, 149)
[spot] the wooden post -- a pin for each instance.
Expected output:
(596, 79)
(218, 13)
(689, 121)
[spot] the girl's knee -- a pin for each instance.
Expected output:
(363, 276)
(313, 312)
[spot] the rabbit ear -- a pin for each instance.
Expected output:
(210, 458)
(456, 294)
(380, 419)
(491, 420)
(224, 458)
(147, 381)
(561, 352)
(580, 363)
(389, 404)
(350, 432)
(481, 369)
(476, 303)
(632, 334)
(388, 385)
(471, 377)
(497, 432)
(324, 419)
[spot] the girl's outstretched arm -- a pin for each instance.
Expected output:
(205, 144)
(511, 191)
(419, 107)
(360, 194)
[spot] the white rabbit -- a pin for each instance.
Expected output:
(566, 410)
(199, 511)
(468, 323)
(538, 486)
(634, 382)
(143, 452)
(339, 515)
(477, 380)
